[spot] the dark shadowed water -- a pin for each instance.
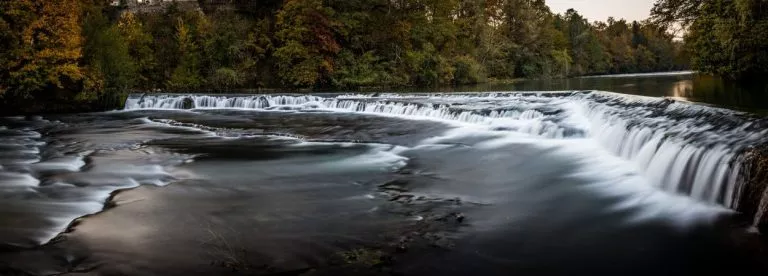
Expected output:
(572, 183)
(751, 96)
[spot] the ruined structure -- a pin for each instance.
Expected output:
(150, 6)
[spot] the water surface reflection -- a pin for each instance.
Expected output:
(743, 95)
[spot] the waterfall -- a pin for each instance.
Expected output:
(520, 115)
(215, 102)
(680, 147)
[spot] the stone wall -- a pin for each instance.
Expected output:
(151, 6)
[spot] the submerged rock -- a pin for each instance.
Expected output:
(188, 103)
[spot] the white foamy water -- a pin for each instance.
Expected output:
(640, 75)
(679, 147)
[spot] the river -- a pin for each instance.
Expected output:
(488, 182)
(686, 85)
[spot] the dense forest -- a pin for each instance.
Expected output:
(94, 51)
(724, 37)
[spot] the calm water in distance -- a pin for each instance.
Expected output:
(712, 90)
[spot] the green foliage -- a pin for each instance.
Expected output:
(139, 42)
(467, 70)
(307, 44)
(225, 78)
(588, 53)
(107, 56)
(353, 71)
(562, 63)
(88, 50)
(428, 68)
(234, 43)
(186, 75)
(725, 37)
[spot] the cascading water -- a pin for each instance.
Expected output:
(214, 102)
(681, 147)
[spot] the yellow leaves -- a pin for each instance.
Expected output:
(127, 20)
(327, 65)
(50, 42)
(201, 23)
(72, 71)
(130, 27)
(182, 36)
(93, 85)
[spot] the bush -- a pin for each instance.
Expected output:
(467, 71)
(353, 71)
(428, 67)
(225, 78)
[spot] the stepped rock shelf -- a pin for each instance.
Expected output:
(533, 183)
(703, 152)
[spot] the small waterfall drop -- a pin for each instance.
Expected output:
(680, 147)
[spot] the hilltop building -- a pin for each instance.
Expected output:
(149, 6)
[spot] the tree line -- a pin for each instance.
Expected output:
(724, 37)
(91, 49)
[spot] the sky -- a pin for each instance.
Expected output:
(600, 10)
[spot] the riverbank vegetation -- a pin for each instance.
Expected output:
(724, 37)
(91, 52)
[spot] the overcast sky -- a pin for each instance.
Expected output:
(602, 9)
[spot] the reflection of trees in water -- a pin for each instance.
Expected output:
(698, 88)
(682, 89)
(748, 95)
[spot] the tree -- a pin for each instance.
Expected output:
(139, 42)
(186, 75)
(724, 37)
(562, 61)
(683, 12)
(524, 22)
(225, 78)
(80, 49)
(235, 43)
(586, 50)
(106, 54)
(42, 47)
(307, 42)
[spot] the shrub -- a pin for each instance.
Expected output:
(467, 71)
(225, 78)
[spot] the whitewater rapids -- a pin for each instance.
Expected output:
(680, 147)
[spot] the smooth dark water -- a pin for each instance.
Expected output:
(485, 184)
(743, 95)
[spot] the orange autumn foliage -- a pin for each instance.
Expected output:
(43, 44)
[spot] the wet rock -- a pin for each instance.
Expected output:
(362, 258)
(402, 244)
(393, 188)
(761, 217)
(403, 198)
(187, 103)
(459, 217)
(753, 200)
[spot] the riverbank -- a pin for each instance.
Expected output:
(11, 106)
(20, 106)
(42, 104)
